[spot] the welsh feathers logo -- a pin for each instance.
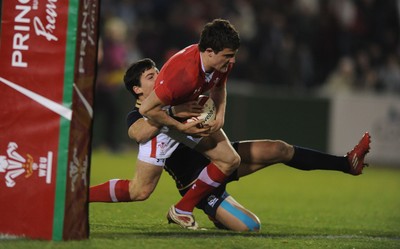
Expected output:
(16, 167)
(78, 170)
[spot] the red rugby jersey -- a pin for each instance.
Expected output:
(182, 79)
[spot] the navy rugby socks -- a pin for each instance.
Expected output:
(308, 159)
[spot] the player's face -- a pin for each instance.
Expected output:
(222, 59)
(147, 80)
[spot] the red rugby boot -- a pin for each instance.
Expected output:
(357, 154)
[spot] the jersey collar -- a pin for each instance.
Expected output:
(138, 103)
(208, 76)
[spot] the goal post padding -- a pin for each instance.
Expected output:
(47, 71)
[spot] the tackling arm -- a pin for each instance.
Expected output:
(152, 109)
(143, 130)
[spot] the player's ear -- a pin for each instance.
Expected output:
(137, 89)
(209, 51)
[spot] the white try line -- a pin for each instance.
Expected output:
(333, 237)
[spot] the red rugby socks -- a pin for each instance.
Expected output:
(210, 178)
(114, 190)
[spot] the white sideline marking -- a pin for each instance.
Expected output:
(333, 237)
(256, 235)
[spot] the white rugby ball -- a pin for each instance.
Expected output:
(209, 110)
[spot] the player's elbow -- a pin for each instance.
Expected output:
(137, 137)
(132, 134)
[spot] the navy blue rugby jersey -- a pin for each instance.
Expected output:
(134, 115)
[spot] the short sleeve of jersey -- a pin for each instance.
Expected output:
(178, 77)
(133, 116)
(175, 88)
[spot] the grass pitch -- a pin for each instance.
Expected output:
(297, 209)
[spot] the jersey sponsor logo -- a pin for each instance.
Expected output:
(13, 165)
(45, 27)
(47, 30)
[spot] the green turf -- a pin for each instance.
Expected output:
(297, 209)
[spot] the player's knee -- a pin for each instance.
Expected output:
(229, 164)
(235, 161)
(251, 224)
(241, 219)
(281, 149)
(233, 164)
(140, 194)
(256, 227)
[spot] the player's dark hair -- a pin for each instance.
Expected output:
(132, 75)
(218, 35)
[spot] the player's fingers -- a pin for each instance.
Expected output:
(193, 123)
(196, 108)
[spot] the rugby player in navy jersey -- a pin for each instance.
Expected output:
(185, 164)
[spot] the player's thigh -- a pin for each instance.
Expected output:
(218, 148)
(235, 217)
(265, 151)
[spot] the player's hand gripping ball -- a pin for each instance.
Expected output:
(208, 113)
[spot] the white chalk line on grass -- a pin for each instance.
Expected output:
(333, 237)
(254, 235)
(268, 236)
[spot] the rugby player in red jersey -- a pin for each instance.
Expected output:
(197, 69)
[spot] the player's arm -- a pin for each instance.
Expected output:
(186, 110)
(152, 109)
(218, 94)
(143, 129)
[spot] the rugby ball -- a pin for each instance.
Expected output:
(209, 110)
